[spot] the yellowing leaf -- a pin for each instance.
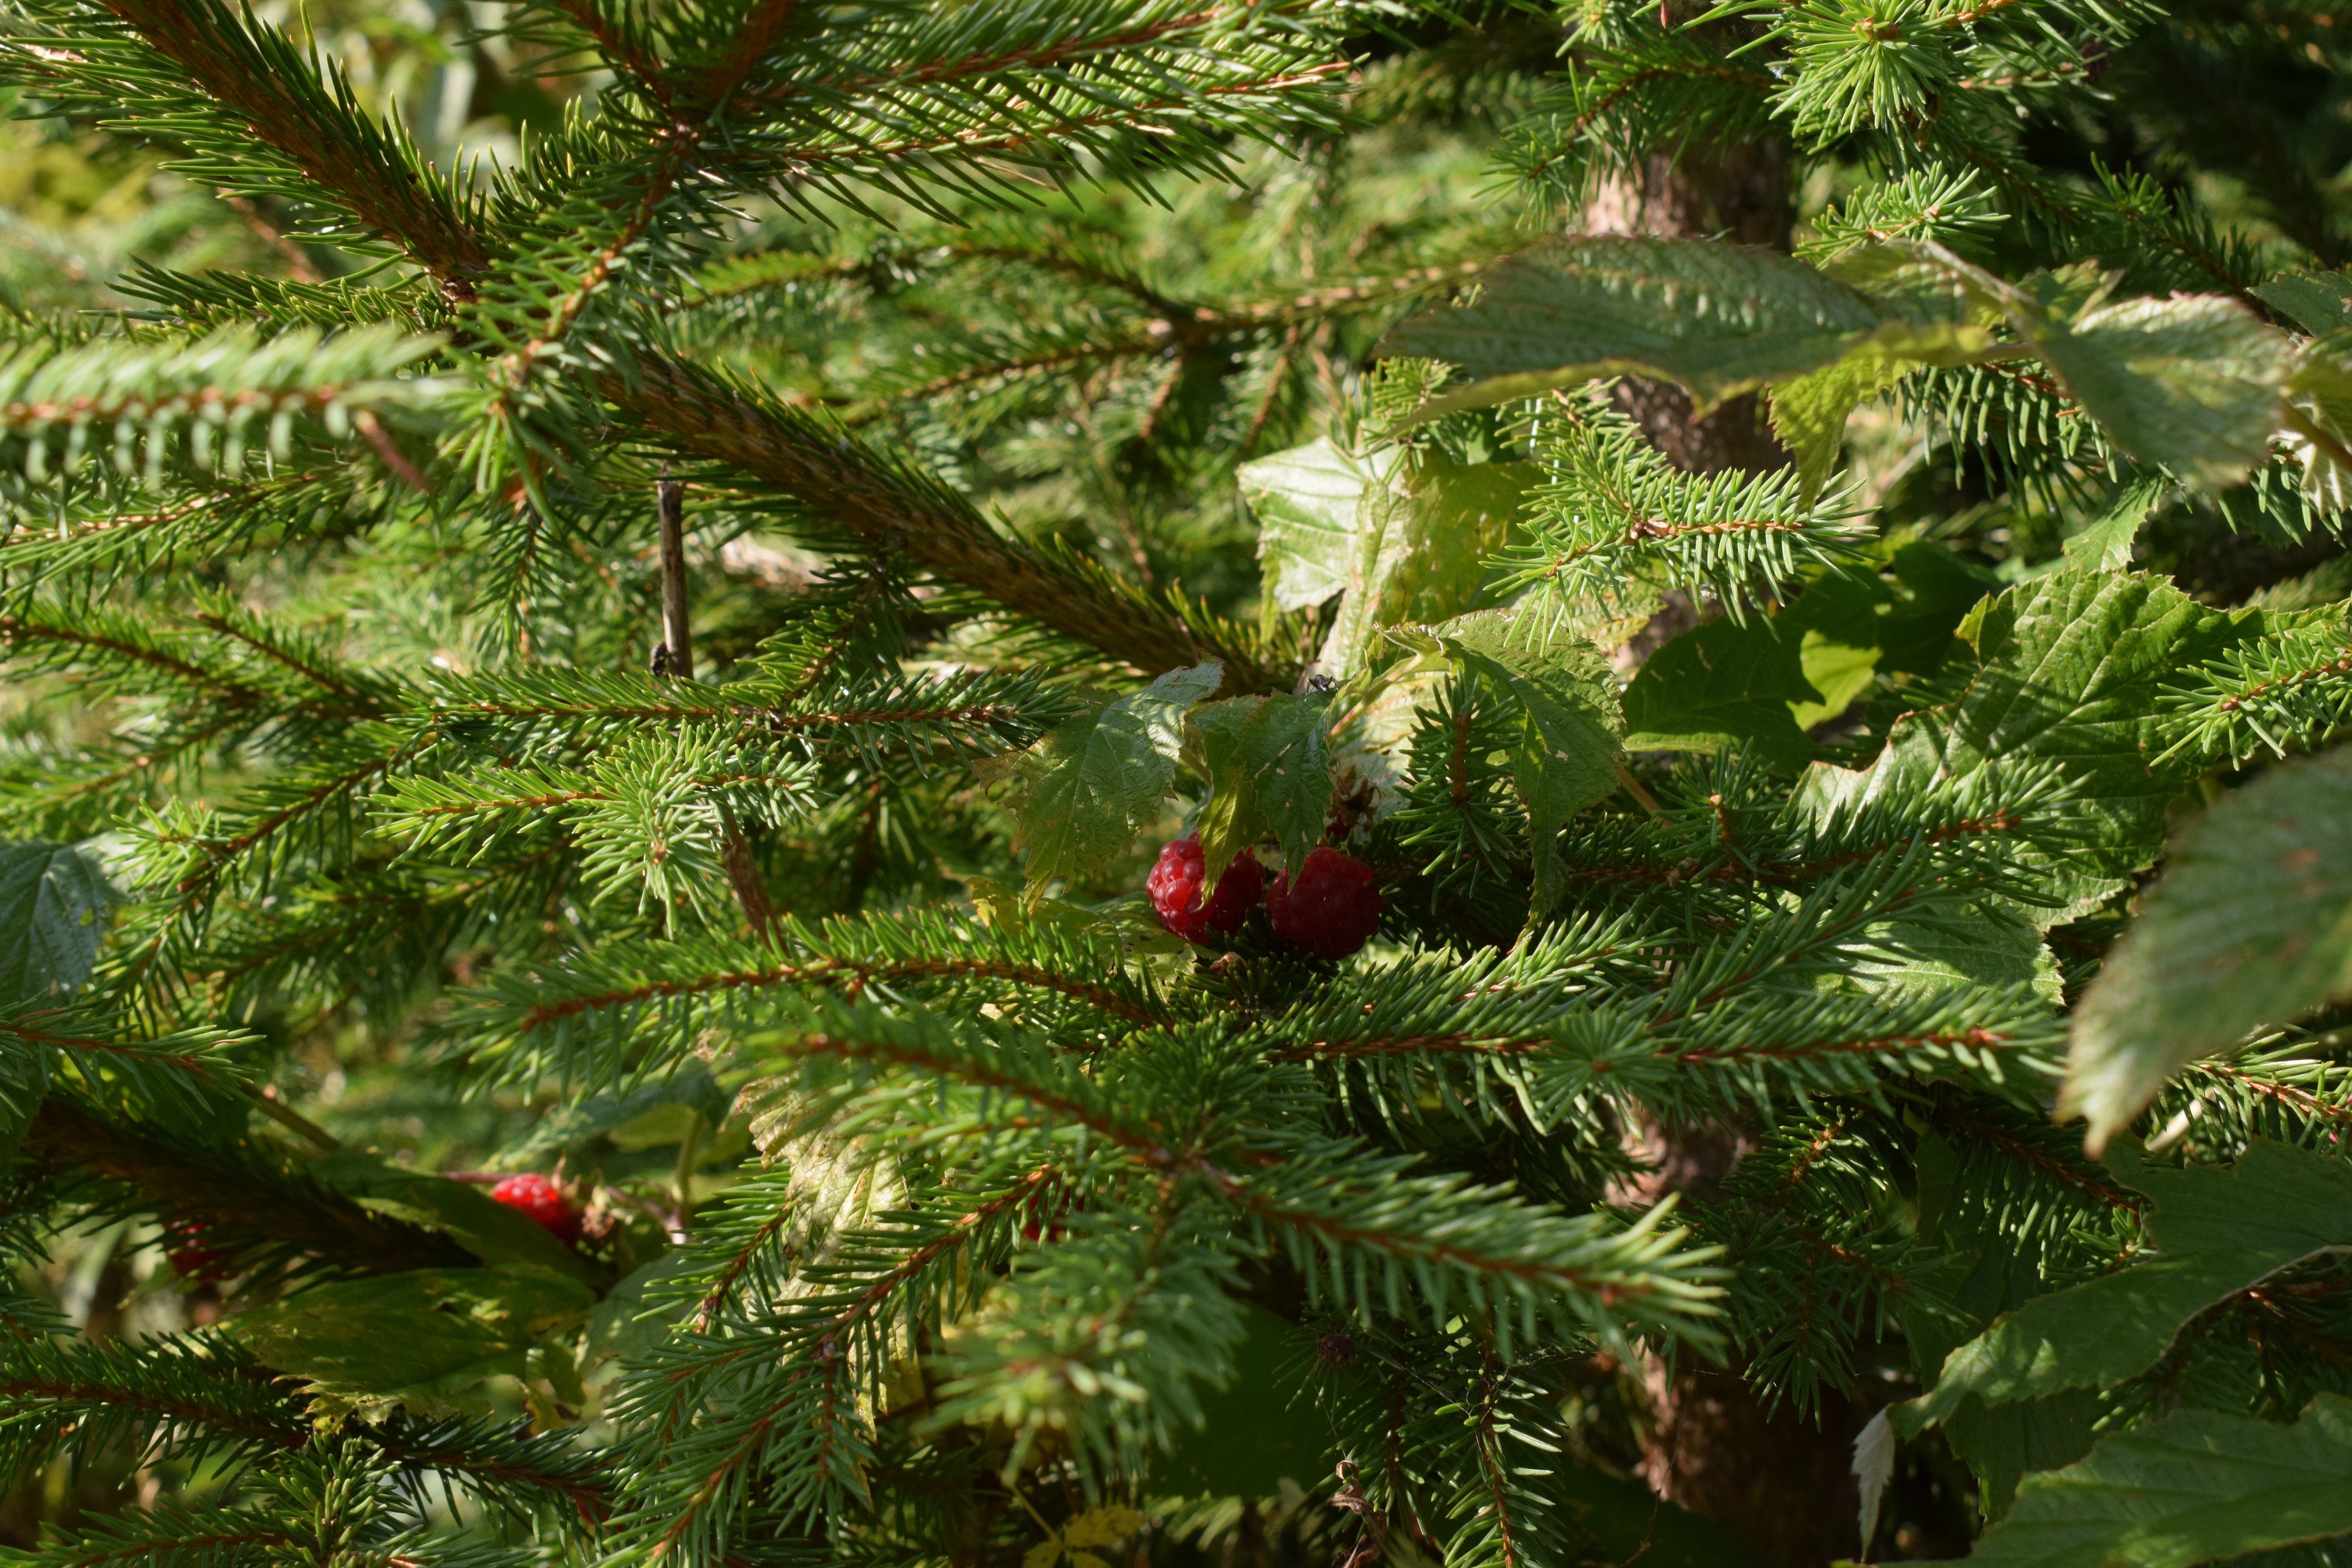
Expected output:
(1105, 1526)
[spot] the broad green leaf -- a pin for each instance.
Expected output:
(1262, 1428)
(2316, 302)
(52, 904)
(2251, 924)
(2106, 544)
(637, 1313)
(1568, 759)
(1628, 1522)
(2069, 670)
(1839, 672)
(1286, 753)
(1982, 1278)
(1098, 780)
(1722, 684)
(2191, 382)
(1405, 534)
(1267, 761)
(2196, 1486)
(1422, 545)
(571, 1130)
(1939, 588)
(488, 1229)
(1718, 318)
(1230, 820)
(416, 1339)
(1999, 948)
(1307, 501)
(2320, 398)
(1810, 412)
(2213, 1233)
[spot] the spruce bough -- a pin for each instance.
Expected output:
(587, 740)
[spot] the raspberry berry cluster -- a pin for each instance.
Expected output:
(1331, 909)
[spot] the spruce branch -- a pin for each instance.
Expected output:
(280, 1215)
(834, 482)
(262, 87)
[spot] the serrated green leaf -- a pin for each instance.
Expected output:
(2069, 670)
(2191, 382)
(2316, 302)
(2251, 924)
(2213, 1233)
(1569, 757)
(1723, 684)
(1980, 1280)
(1915, 633)
(1999, 948)
(1718, 318)
(1286, 753)
(1810, 412)
(1098, 780)
(1839, 672)
(1307, 501)
(2106, 544)
(1405, 534)
(52, 904)
(415, 1340)
(1230, 820)
(1421, 546)
(2196, 1486)
(1260, 1429)
(488, 1229)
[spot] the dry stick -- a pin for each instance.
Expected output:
(675, 658)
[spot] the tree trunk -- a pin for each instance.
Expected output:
(1782, 1483)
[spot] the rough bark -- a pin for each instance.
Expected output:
(1782, 1483)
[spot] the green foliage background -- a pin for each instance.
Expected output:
(1094, 422)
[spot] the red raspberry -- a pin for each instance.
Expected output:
(1043, 1212)
(1175, 888)
(543, 1201)
(194, 1254)
(1333, 908)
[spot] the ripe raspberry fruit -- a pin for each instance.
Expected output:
(194, 1254)
(1175, 888)
(1331, 910)
(1043, 1212)
(543, 1201)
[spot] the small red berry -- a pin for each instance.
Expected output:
(194, 1254)
(543, 1201)
(1331, 910)
(1175, 888)
(1043, 1212)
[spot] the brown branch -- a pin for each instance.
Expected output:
(297, 261)
(748, 47)
(324, 679)
(372, 431)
